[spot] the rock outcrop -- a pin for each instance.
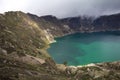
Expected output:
(100, 71)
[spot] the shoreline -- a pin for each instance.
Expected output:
(83, 33)
(86, 32)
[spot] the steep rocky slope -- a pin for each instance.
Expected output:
(24, 39)
(52, 25)
(23, 46)
(90, 24)
(60, 27)
(110, 22)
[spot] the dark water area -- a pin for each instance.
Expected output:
(86, 48)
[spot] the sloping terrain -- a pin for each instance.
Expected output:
(24, 39)
(23, 46)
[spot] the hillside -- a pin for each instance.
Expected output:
(60, 27)
(23, 49)
(24, 39)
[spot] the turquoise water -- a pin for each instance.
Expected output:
(85, 48)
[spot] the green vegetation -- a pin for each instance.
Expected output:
(65, 63)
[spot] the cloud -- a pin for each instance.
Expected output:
(62, 8)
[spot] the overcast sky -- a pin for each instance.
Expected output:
(62, 8)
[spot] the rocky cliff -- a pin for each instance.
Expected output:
(24, 39)
(60, 27)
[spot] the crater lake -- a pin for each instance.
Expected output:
(86, 48)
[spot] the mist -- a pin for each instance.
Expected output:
(62, 8)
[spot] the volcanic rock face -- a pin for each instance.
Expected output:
(24, 39)
(60, 27)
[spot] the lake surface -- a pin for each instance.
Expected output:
(85, 48)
